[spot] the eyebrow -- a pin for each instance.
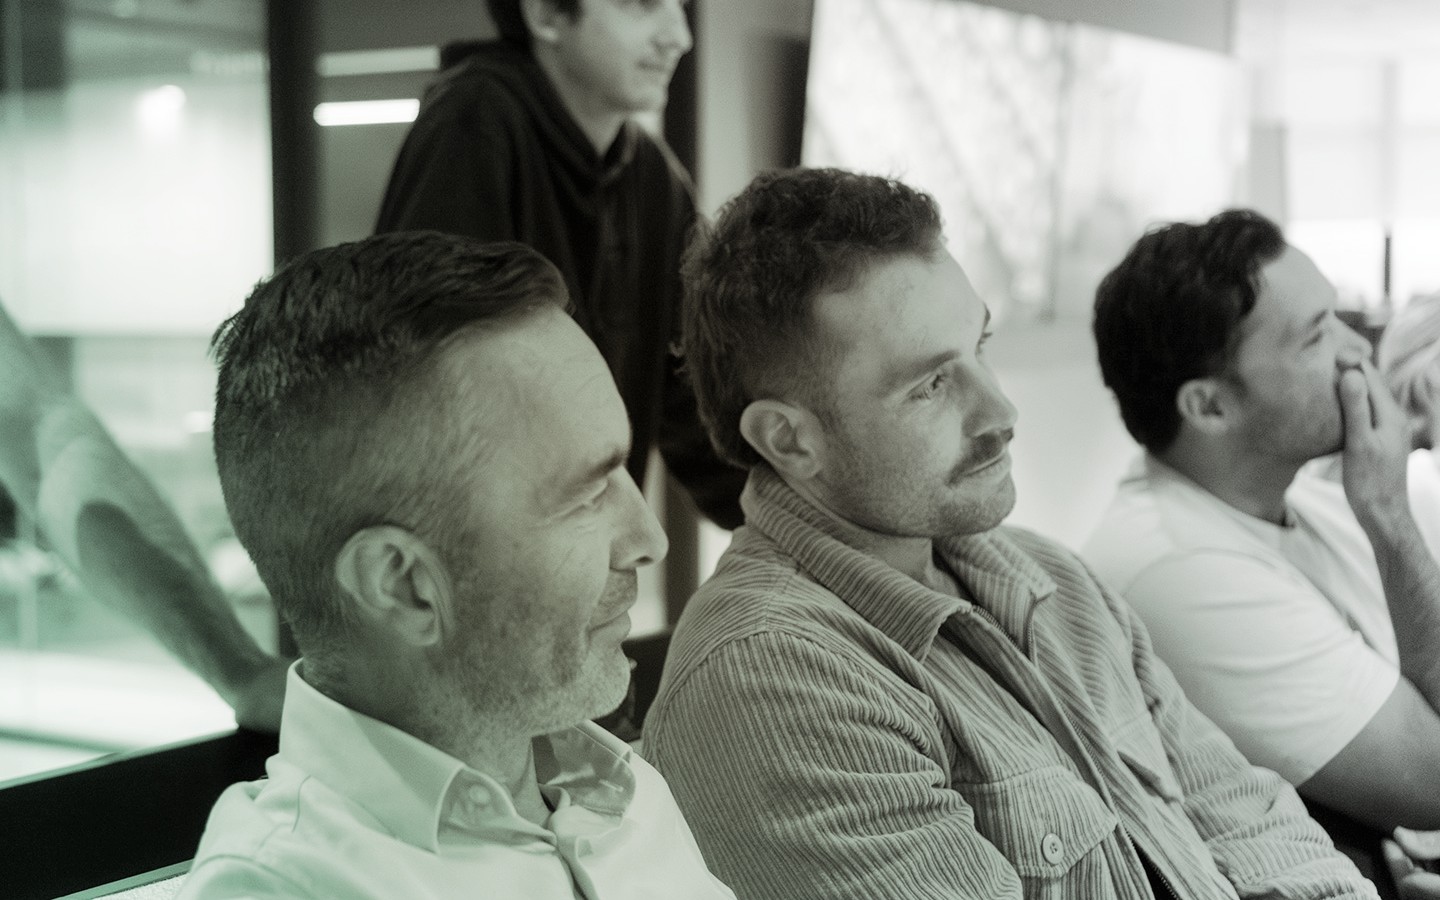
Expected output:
(899, 377)
(1315, 322)
(600, 470)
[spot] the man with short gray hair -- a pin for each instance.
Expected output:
(425, 457)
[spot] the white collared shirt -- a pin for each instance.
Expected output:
(354, 808)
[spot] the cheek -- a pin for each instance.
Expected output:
(577, 570)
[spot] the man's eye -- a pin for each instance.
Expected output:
(931, 387)
(598, 497)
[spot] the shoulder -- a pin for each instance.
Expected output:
(653, 156)
(293, 836)
(243, 853)
(1163, 523)
(480, 89)
(761, 616)
(1136, 528)
(658, 176)
(756, 589)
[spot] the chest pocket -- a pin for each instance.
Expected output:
(1138, 744)
(1043, 821)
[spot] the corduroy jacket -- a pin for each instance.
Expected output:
(834, 729)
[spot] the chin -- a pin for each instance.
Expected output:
(648, 101)
(609, 682)
(985, 513)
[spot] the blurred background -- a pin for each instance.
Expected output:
(158, 156)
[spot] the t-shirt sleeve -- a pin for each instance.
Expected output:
(1264, 656)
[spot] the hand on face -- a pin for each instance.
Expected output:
(1377, 440)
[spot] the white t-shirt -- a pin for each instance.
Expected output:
(1280, 634)
(1423, 480)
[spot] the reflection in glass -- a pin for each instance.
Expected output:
(1050, 146)
(134, 215)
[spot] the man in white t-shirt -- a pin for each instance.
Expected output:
(425, 456)
(1301, 614)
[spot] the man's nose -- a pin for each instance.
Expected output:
(990, 409)
(1354, 348)
(676, 33)
(639, 540)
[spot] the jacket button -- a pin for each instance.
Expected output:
(1052, 848)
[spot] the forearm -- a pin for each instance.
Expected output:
(1375, 463)
(1411, 580)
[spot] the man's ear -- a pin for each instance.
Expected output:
(543, 18)
(788, 437)
(1203, 403)
(394, 581)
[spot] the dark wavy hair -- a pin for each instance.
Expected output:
(511, 24)
(752, 278)
(331, 412)
(1170, 312)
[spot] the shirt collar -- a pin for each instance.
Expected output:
(417, 792)
(1002, 578)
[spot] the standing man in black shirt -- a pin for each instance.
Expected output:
(532, 138)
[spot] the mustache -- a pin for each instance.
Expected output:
(986, 448)
(620, 593)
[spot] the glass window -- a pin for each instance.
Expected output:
(134, 216)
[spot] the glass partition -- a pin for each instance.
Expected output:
(135, 215)
(1049, 146)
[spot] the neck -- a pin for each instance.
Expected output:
(1252, 483)
(408, 698)
(910, 556)
(597, 120)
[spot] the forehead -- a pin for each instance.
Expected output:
(613, 9)
(901, 307)
(541, 391)
(1292, 295)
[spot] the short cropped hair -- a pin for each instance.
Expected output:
(330, 408)
(1409, 355)
(511, 23)
(751, 281)
(1170, 312)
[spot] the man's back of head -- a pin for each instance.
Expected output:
(1222, 346)
(1170, 312)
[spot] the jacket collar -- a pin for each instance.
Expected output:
(999, 576)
